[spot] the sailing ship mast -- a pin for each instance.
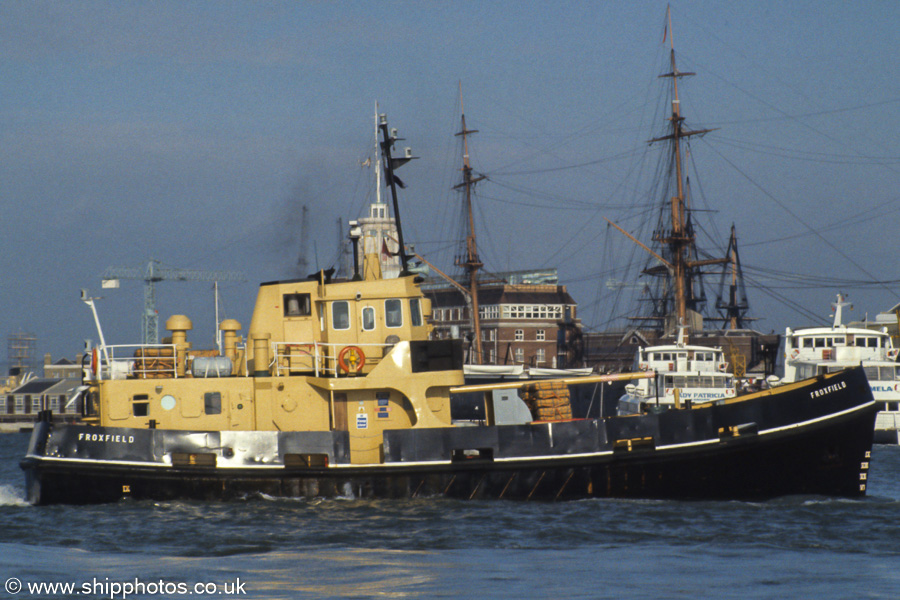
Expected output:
(680, 238)
(471, 263)
(677, 238)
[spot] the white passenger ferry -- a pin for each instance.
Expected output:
(817, 350)
(685, 374)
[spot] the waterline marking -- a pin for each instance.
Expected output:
(122, 590)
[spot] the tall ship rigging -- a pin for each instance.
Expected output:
(511, 323)
(678, 267)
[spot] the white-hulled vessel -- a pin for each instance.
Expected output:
(684, 374)
(817, 350)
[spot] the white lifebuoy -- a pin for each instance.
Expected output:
(795, 353)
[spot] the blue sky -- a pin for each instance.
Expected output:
(192, 132)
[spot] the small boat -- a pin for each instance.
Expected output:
(683, 373)
(814, 351)
(338, 390)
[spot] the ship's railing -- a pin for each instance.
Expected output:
(326, 360)
(141, 361)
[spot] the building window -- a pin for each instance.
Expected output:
(520, 355)
(539, 335)
(393, 313)
(520, 335)
(340, 315)
(368, 318)
(532, 311)
(539, 356)
(489, 312)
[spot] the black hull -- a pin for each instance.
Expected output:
(804, 441)
(887, 436)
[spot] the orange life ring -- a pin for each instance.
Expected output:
(795, 353)
(351, 359)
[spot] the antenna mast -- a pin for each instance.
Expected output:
(389, 137)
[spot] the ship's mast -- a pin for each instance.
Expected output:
(391, 163)
(679, 239)
(471, 262)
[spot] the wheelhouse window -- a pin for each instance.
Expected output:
(393, 313)
(415, 312)
(297, 305)
(340, 315)
(368, 318)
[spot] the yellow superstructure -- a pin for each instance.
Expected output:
(319, 356)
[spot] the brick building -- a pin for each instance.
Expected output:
(526, 319)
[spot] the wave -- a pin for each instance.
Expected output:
(11, 495)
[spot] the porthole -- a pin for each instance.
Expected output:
(167, 402)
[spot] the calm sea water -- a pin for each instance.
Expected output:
(263, 548)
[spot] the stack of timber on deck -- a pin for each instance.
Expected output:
(548, 400)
